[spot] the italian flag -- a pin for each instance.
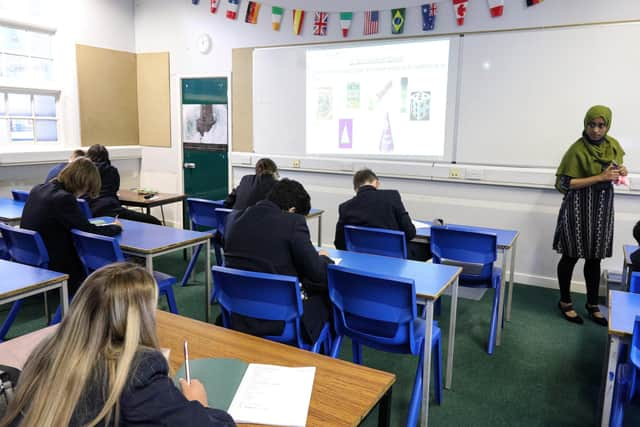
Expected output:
(345, 22)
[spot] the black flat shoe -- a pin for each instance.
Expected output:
(568, 307)
(592, 310)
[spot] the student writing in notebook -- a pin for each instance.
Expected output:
(273, 237)
(377, 208)
(253, 188)
(103, 367)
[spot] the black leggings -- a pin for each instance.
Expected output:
(591, 276)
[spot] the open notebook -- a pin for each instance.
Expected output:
(255, 393)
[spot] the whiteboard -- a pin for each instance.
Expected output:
(523, 94)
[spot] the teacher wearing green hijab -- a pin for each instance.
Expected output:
(585, 222)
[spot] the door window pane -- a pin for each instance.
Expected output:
(44, 105)
(46, 130)
(19, 104)
(21, 130)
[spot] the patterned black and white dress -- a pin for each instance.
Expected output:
(585, 221)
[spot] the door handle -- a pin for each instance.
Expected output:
(189, 165)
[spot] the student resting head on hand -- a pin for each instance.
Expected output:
(102, 365)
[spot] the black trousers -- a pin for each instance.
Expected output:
(591, 276)
(125, 213)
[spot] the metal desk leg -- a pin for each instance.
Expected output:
(47, 315)
(426, 367)
(148, 263)
(511, 273)
(501, 299)
(162, 212)
(319, 230)
(610, 379)
(64, 297)
(624, 279)
(384, 409)
(452, 334)
(207, 275)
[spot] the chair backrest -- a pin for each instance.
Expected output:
(96, 251)
(25, 246)
(473, 251)
(376, 241)
(373, 309)
(202, 213)
(84, 207)
(634, 283)
(634, 351)
(261, 295)
(20, 195)
(221, 218)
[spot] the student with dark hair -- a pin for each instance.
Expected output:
(107, 202)
(635, 256)
(52, 211)
(372, 207)
(273, 237)
(253, 188)
(54, 171)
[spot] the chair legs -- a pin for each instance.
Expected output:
(335, 348)
(171, 299)
(191, 265)
(357, 352)
(416, 395)
(493, 327)
(10, 319)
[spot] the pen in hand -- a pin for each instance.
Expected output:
(186, 362)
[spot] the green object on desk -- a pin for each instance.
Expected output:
(220, 377)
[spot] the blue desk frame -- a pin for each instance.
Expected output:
(623, 309)
(21, 281)
(431, 280)
(10, 211)
(150, 240)
(506, 245)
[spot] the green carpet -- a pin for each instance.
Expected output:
(546, 372)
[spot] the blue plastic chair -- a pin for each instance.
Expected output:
(26, 247)
(20, 195)
(376, 241)
(634, 283)
(221, 218)
(475, 253)
(202, 216)
(380, 312)
(4, 251)
(626, 376)
(84, 207)
(96, 251)
(266, 296)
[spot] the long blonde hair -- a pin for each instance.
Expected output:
(111, 318)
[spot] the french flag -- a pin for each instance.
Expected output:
(232, 9)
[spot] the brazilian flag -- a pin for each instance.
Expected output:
(397, 20)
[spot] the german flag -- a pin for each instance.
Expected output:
(533, 2)
(253, 8)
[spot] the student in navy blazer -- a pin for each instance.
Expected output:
(376, 208)
(273, 237)
(103, 366)
(253, 188)
(52, 211)
(54, 171)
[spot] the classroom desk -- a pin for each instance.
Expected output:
(626, 274)
(506, 242)
(20, 281)
(150, 240)
(343, 393)
(623, 309)
(431, 280)
(10, 211)
(132, 198)
(317, 213)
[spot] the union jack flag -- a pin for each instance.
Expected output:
(371, 18)
(320, 23)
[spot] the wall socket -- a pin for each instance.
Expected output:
(455, 173)
(296, 163)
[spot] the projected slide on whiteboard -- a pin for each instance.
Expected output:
(377, 100)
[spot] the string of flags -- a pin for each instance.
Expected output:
(372, 18)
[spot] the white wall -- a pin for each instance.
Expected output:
(101, 23)
(169, 25)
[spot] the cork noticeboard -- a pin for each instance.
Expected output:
(108, 96)
(154, 117)
(242, 99)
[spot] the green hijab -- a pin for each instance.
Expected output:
(584, 159)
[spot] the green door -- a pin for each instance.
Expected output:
(205, 137)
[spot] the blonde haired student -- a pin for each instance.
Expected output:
(102, 366)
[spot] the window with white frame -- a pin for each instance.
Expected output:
(28, 102)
